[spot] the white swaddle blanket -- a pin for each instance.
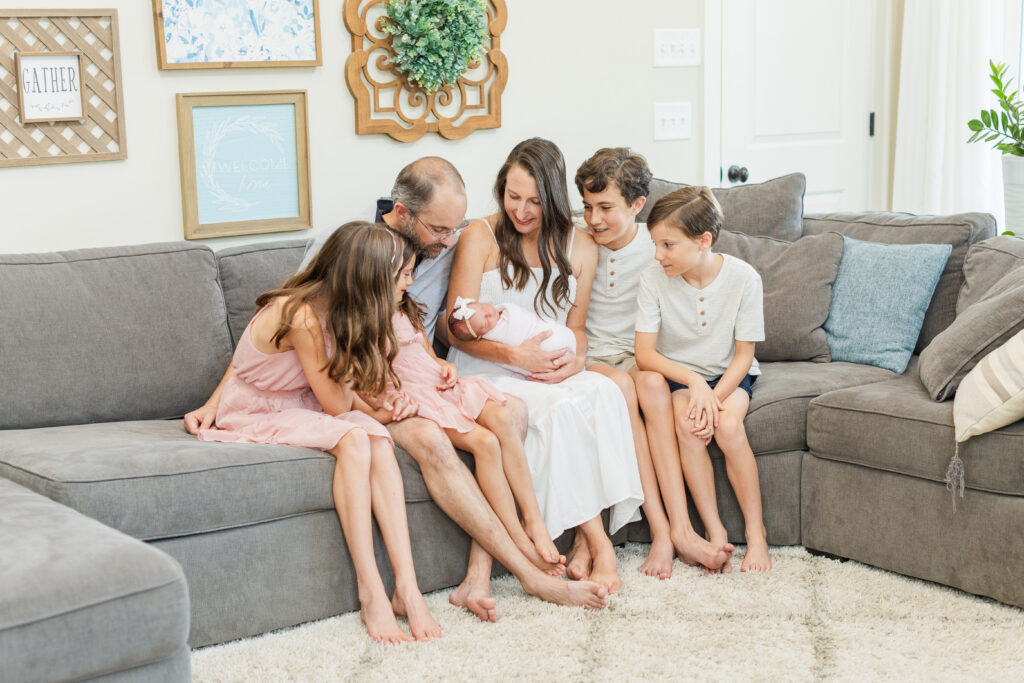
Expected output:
(517, 324)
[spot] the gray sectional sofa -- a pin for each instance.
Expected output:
(124, 541)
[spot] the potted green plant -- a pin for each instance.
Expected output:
(1005, 129)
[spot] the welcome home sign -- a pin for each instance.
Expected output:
(49, 86)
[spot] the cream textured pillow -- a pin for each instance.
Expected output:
(992, 394)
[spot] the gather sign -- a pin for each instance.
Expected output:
(50, 86)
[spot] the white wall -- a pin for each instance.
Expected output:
(580, 74)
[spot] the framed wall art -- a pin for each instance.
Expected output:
(236, 33)
(60, 87)
(244, 162)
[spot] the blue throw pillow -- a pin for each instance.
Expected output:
(879, 300)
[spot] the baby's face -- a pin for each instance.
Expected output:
(484, 317)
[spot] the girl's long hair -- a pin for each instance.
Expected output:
(543, 161)
(353, 276)
(412, 309)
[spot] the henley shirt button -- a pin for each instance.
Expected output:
(611, 284)
(611, 260)
(704, 324)
(700, 299)
(702, 312)
(612, 273)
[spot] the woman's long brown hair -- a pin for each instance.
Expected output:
(353, 276)
(543, 161)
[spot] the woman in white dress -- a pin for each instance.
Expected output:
(579, 443)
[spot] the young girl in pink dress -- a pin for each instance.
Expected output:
(471, 412)
(324, 335)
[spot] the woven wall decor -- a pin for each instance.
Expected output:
(387, 103)
(100, 135)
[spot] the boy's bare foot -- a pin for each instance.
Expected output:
(719, 538)
(411, 605)
(659, 559)
(545, 547)
(379, 617)
(475, 595)
(757, 558)
(605, 572)
(580, 561)
(694, 550)
(587, 594)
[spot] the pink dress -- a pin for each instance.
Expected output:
(456, 408)
(268, 400)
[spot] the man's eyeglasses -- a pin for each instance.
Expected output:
(437, 232)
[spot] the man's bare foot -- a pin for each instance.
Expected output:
(411, 605)
(580, 561)
(475, 595)
(587, 594)
(379, 617)
(694, 550)
(605, 572)
(757, 558)
(545, 547)
(659, 559)
(719, 538)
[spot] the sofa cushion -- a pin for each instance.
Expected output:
(79, 599)
(98, 335)
(992, 394)
(152, 480)
(895, 426)
(797, 278)
(249, 270)
(986, 262)
(959, 231)
(978, 330)
(774, 208)
(777, 418)
(879, 301)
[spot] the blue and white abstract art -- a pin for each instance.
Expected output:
(205, 31)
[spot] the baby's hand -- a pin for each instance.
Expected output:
(449, 375)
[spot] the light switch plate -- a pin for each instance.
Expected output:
(676, 47)
(673, 121)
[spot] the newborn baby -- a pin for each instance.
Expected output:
(506, 323)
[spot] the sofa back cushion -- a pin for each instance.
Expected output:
(986, 262)
(774, 208)
(249, 270)
(959, 231)
(797, 278)
(102, 335)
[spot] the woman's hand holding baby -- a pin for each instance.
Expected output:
(532, 358)
(566, 365)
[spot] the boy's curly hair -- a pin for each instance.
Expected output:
(619, 164)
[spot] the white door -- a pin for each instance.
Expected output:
(799, 82)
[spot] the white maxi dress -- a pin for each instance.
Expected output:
(579, 444)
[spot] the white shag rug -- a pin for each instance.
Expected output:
(809, 619)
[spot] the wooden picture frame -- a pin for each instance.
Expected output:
(249, 41)
(99, 134)
(244, 162)
(56, 87)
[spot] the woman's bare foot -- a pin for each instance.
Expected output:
(694, 550)
(605, 572)
(719, 538)
(475, 595)
(379, 617)
(757, 558)
(410, 604)
(545, 547)
(587, 594)
(659, 559)
(529, 549)
(580, 561)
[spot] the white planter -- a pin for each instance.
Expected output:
(1013, 192)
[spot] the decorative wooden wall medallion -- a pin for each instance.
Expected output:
(387, 103)
(99, 135)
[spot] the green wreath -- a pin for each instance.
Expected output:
(434, 41)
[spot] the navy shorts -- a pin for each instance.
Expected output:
(746, 385)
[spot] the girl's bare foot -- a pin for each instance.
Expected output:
(526, 547)
(757, 558)
(659, 559)
(411, 605)
(580, 561)
(379, 617)
(475, 595)
(719, 538)
(694, 550)
(587, 594)
(545, 547)
(605, 572)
